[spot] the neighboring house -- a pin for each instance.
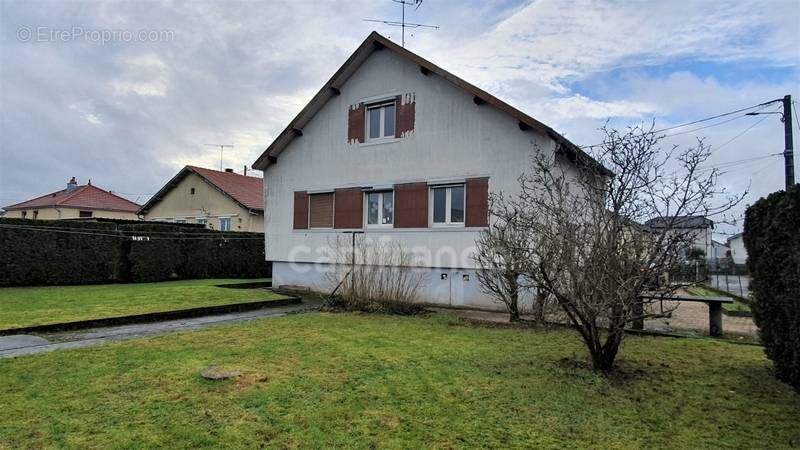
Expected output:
(223, 201)
(395, 147)
(699, 229)
(76, 201)
(718, 250)
(738, 251)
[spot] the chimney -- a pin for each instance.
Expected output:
(72, 185)
(229, 170)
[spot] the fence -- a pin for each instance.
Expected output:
(110, 251)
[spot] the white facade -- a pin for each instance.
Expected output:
(453, 139)
(738, 251)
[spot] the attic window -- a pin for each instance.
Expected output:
(380, 120)
(191, 191)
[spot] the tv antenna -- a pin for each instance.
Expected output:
(221, 149)
(403, 24)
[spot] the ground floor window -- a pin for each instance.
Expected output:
(448, 205)
(225, 224)
(320, 210)
(380, 209)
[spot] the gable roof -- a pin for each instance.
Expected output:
(681, 222)
(86, 196)
(375, 42)
(246, 191)
(735, 236)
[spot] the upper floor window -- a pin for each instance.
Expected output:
(448, 205)
(380, 209)
(85, 214)
(380, 120)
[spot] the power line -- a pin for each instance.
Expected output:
(706, 119)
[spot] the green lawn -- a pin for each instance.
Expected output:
(20, 307)
(322, 380)
(705, 291)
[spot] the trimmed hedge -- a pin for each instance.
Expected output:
(772, 239)
(91, 252)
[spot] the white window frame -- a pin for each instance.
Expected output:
(179, 220)
(380, 105)
(202, 221)
(448, 204)
(230, 224)
(380, 209)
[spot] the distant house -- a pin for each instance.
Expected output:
(718, 250)
(699, 228)
(223, 201)
(76, 201)
(398, 149)
(738, 251)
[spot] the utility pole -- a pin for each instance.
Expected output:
(221, 149)
(788, 153)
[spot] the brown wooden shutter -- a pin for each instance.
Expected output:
(411, 205)
(477, 202)
(348, 212)
(300, 210)
(404, 114)
(356, 123)
(320, 213)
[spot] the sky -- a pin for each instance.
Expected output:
(127, 93)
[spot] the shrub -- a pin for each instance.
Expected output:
(382, 279)
(773, 246)
(77, 252)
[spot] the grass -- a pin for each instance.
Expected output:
(322, 380)
(738, 305)
(28, 306)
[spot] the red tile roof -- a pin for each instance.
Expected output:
(84, 197)
(247, 191)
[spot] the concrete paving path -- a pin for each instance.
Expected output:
(19, 345)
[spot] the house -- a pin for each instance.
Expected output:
(718, 250)
(221, 200)
(76, 201)
(698, 228)
(738, 250)
(397, 148)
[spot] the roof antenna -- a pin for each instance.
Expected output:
(403, 24)
(221, 149)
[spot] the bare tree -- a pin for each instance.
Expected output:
(584, 244)
(502, 255)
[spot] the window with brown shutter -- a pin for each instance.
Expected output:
(300, 210)
(477, 202)
(349, 205)
(320, 210)
(411, 205)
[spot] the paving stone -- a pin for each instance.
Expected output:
(217, 373)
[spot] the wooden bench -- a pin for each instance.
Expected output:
(714, 309)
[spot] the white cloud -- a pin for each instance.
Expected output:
(144, 75)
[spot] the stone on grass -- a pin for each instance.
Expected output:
(217, 373)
